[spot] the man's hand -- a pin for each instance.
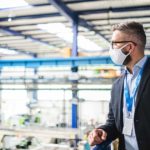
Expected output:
(97, 136)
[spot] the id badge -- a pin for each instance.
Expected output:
(128, 125)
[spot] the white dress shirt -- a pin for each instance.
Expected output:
(131, 141)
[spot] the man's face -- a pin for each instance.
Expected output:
(125, 43)
(120, 39)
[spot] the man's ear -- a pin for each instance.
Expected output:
(131, 47)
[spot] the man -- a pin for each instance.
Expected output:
(129, 108)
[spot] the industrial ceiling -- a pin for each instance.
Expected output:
(38, 28)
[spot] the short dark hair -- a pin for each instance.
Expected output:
(132, 28)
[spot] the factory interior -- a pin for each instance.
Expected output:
(56, 74)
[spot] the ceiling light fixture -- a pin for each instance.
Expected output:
(12, 4)
(6, 51)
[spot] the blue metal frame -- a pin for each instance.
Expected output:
(73, 61)
(75, 39)
(85, 24)
(72, 16)
(63, 9)
(123, 17)
(78, 1)
(114, 9)
(74, 115)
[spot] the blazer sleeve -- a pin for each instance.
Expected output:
(110, 125)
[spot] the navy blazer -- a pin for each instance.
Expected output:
(114, 123)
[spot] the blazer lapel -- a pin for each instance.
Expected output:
(120, 102)
(146, 74)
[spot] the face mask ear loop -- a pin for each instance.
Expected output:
(124, 47)
(129, 52)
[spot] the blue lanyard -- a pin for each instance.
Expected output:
(130, 97)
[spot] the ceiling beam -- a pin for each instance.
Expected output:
(73, 16)
(16, 33)
(78, 1)
(114, 9)
(64, 10)
(119, 17)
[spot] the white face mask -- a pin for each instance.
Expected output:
(117, 56)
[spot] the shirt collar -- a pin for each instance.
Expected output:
(138, 65)
(141, 62)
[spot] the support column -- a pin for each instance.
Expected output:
(1, 114)
(34, 98)
(32, 93)
(75, 82)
